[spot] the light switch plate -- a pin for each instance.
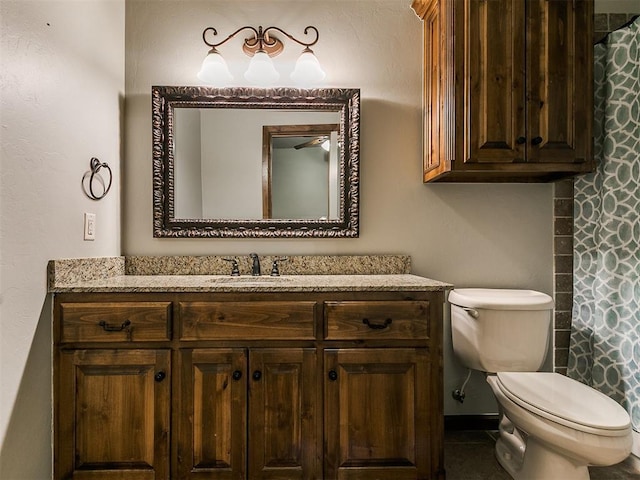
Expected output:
(89, 226)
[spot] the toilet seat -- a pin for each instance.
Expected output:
(565, 401)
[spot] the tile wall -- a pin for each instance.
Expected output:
(604, 23)
(563, 271)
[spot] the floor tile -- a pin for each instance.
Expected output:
(469, 455)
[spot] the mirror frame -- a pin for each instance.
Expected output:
(166, 98)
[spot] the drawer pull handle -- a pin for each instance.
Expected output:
(236, 375)
(108, 328)
(377, 326)
(333, 375)
(159, 376)
(536, 141)
(257, 375)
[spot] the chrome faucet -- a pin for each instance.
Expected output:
(255, 269)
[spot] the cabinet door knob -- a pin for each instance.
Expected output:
(236, 375)
(536, 141)
(257, 375)
(158, 377)
(521, 140)
(333, 375)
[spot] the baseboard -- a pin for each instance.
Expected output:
(471, 422)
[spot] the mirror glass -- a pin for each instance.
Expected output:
(242, 162)
(301, 171)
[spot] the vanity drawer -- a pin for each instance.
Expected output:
(115, 322)
(369, 320)
(247, 320)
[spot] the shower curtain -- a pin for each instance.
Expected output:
(604, 351)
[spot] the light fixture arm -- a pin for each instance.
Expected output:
(261, 40)
(291, 37)
(215, 32)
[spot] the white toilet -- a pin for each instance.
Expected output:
(551, 427)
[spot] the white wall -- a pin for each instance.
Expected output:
(232, 157)
(187, 166)
(300, 181)
(470, 235)
(62, 78)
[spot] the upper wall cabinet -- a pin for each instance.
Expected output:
(507, 89)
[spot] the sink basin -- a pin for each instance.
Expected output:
(249, 279)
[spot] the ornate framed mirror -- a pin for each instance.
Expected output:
(247, 162)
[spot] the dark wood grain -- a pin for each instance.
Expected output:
(105, 322)
(112, 416)
(507, 90)
(382, 417)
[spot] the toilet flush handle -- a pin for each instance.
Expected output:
(471, 312)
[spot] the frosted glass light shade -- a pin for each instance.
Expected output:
(214, 70)
(307, 70)
(261, 70)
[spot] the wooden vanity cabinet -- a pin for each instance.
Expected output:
(379, 404)
(248, 413)
(508, 87)
(112, 389)
(377, 413)
(248, 386)
(112, 414)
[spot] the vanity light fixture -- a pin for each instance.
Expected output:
(261, 46)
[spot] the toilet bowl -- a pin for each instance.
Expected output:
(551, 427)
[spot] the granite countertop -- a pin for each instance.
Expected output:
(210, 274)
(284, 283)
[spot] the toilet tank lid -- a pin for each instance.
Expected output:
(500, 299)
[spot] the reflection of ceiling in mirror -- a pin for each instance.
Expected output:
(288, 142)
(299, 141)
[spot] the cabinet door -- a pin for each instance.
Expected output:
(212, 414)
(494, 99)
(559, 81)
(438, 100)
(377, 414)
(112, 415)
(283, 414)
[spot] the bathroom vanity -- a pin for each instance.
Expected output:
(220, 377)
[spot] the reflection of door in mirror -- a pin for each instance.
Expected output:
(300, 167)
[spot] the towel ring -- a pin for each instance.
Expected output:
(93, 174)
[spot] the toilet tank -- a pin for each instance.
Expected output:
(500, 330)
